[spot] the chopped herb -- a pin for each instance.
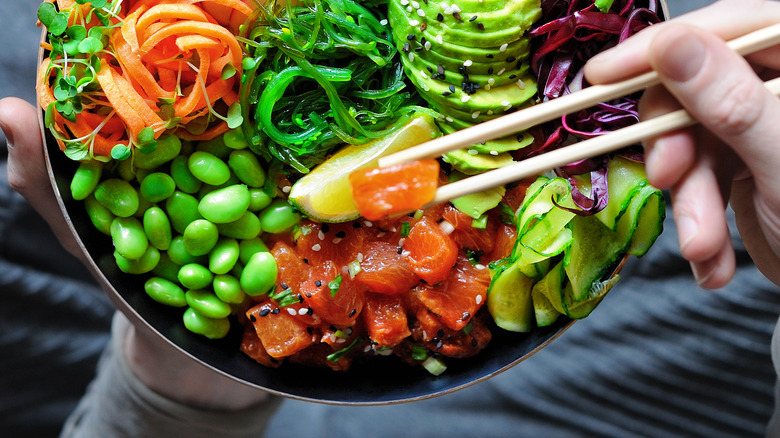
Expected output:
(335, 357)
(405, 227)
(334, 285)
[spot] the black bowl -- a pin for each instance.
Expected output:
(370, 381)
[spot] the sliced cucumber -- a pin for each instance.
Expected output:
(509, 300)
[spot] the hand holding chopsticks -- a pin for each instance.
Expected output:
(540, 113)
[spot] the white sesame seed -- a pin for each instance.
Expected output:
(336, 240)
(491, 81)
(425, 87)
(447, 227)
(456, 8)
(316, 247)
(414, 23)
(479, 299)
(439, 39)
(503, 47)
(504, 102)
(303, 310)
(423, 74)
(405, 253)
(368, 224)
(401, 241)
(292, 311)
(479, 267)
(473, 152)
(380, 234)
(415, 4)
(494, 153)
(383, 22)
(360, 257)
(420, 12)
(467, 63)
(321, 235)
(500, 72)
(411, 56)
(427, 45)
(447, 10)
(449, 119)
(475, 114)
(490, 112)
(520, 84)
(404, 2)
(409, 9)
(286, 189)
(465, 98)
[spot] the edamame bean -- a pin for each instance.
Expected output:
(143, 205)
(85, 179)
(129, 237)
(157, 187)
(246, 167)
(207, 304)
(216, 146)
(224, 256)
(182, 208)
(100, 216)
(234, 139)
(166, 268)
(118, 196)
(158, 228)
(185, 180)
(259, 274)
(208, 168)
(279, 217)
(126, 170)
(249, 247)
(259, 199)
(195, 276)
(200, 236)
(205, 326)
(142, 265)
(228, 289)
(246, 227)
(168, 147)
(165, 292)
(225, 205)
(179, 254)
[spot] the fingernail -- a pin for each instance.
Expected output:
(687, 229)
(700, 274)
(682, 57)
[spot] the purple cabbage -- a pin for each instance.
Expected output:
(572, 32)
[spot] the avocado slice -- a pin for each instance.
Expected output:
(492, 147)
(473, 163)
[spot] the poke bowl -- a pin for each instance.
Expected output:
(376, 378)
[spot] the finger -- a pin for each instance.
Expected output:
(721, 91)
(726, 18)
(757, 238)
(670, 156)
(27, 172)
(699, 212)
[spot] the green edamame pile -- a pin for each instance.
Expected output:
(190, 215)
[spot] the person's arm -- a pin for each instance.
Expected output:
(141, 372)
(733, 153)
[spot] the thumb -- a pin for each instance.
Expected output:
(26, 166)
(722, 92)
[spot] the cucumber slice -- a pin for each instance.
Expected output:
(509, 300)
(594, 249)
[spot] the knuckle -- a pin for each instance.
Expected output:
(735, 111)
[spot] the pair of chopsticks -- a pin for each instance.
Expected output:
(544, 112)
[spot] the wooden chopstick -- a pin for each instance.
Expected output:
(552, 109)
(578, 151)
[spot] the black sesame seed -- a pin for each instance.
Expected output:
(473, 18)
(276, 311)
(435, 76)
(356, 225)
(422, 40)
(440, 333)
(439, 345)
(317, 283)
(456, 15)
(519, 64)
(264, 311)
(252, 318)
(309, 330)
(489, 55)
(399, 250)
(325, 228)
(310, 311)
(429, 68)
(300, 298)
(341, 234)
(418, 49)
(411, 37)
(424, 25)
(445, 93)
(462, 69)
(305, 260)
(520, 137)
(352, 313)
(406, 47)
(511, 59)
(512, 76)
(466, 315)
(452, 88)
(308, 295)
(440, 69)
(490, 70)
(439, 17)
(480, 26)
(284, 286)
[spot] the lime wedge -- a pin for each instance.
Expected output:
(324, 194)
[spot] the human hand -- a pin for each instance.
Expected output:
(155, 362)
(731, 155)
